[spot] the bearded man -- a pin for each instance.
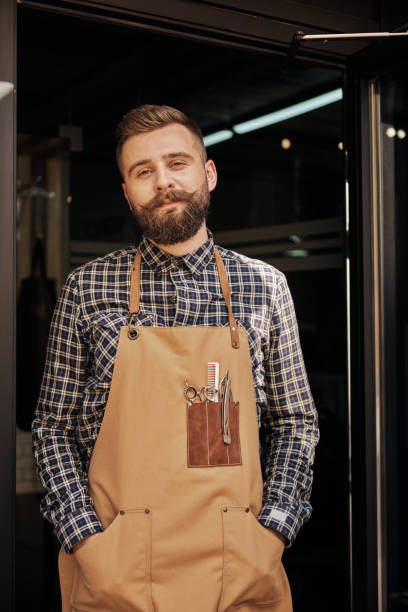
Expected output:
(175, 429)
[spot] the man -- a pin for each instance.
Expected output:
(169, 491)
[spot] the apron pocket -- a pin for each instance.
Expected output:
(205, 444)
(113, 570)
(253, 571)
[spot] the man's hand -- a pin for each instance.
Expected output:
(79, 544)
(278, 535)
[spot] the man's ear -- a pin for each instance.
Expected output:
(125, 193)
(211, 173)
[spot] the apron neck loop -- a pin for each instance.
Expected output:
(226, 291)
(225, 287)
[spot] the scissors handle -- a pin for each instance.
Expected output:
(209, 392)
(190, 392)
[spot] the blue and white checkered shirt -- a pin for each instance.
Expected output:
(94, 304)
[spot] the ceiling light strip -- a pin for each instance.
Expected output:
(217, 137)
(289, 112)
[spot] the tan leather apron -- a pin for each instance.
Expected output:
(178, 504)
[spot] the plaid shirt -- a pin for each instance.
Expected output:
(94, 304)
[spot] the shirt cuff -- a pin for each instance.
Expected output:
(282, 519)
(76, 525)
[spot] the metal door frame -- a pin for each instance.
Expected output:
(367, 292)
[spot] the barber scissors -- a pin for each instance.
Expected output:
(191, 393)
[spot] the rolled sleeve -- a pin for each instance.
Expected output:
(66, 504)
(289, 425)
(76, 525)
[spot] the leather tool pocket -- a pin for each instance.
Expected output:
(113, 570)
(205, 444)
(253, 571)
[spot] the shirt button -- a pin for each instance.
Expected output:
(173, 299)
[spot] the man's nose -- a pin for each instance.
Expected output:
(164, 180)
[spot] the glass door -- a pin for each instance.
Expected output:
(377, 128)
(391, 99)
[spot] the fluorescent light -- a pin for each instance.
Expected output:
(296, 253)
(217, 137)
(290, 111)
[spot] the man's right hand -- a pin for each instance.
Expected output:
(79, 544)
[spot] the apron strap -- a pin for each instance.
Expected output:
(135, 285)
(225, 287)
(226, 291)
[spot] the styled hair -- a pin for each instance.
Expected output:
(149, 117)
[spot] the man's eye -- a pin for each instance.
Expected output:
(143, 172)
(178, 163)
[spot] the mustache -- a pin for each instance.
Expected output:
(173, 195)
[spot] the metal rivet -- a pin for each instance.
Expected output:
(121, 512)
(225, 509)
(147, 510)
(246, 509)
(133, 333)
(233, 328)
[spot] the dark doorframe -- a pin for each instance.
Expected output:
(267, 27)
(367, 352)
(7, 300)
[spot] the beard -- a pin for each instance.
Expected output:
(174, 224)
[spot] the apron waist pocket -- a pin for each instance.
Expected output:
(253, 570)
(113, 571)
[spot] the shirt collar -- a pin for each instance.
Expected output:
(194, 262)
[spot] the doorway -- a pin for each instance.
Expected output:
(280, 199)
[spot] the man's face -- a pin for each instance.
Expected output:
(166, 183)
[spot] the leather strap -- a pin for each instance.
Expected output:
(226, 291)
(225, 287)
(135, 285)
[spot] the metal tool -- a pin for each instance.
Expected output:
(191, 393)
(226, 397)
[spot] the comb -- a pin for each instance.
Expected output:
(213, 378)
